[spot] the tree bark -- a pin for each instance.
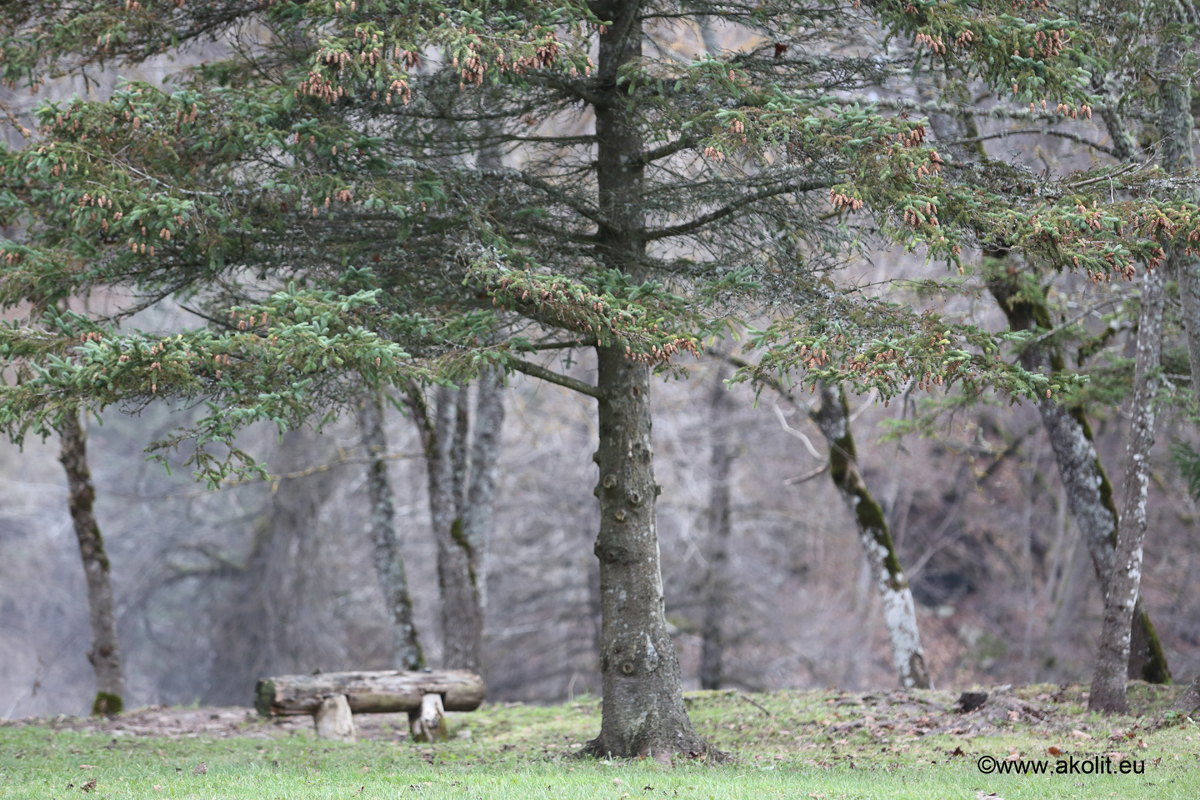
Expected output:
(105, 652)
(720, 529)
(1088, 489)
(899, 609)
(1178, 155)
(1109, 680)
(462, 488)
(389, 564)
(478, 514)
(642, 710)
(462, 614)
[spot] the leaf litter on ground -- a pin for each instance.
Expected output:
(822, 743)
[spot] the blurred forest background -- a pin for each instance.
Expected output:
(215, 589)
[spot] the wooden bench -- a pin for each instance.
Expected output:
(333, 697)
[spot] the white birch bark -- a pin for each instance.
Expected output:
(1108, 682)
(899, 609)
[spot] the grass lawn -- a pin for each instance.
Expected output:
(818, 744)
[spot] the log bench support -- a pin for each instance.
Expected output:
(429, 725)
(333, 719)
(332, 698)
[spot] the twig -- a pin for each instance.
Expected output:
(755, 704)
(1041, 337)
(1109, 176)
(788, 429)
(808, 476)
(1040, 131)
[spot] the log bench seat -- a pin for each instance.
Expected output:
(333, 697)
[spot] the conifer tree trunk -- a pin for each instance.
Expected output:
(643, 711)
(720, 529)
(1109, 680)
(1088, 489)
(105, 652)
(899, 609)
(389, 564)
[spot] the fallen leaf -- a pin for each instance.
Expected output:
(1078, 734)
(1116, 755)
(200, 769)
(1013, 716)
(87, 787)
(1013, 756)
(87, 766)
(1054, 751)
(157, 788)
(958, 751)
(617, 781)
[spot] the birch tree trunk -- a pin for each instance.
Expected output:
(389, 564)
(1088, 489)
(1109, 680)
(105, 652)
(899, 609)
(642, 711)
(720, 528)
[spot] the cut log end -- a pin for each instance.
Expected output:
(264, 696)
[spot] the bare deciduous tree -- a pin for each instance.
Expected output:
(105, 652)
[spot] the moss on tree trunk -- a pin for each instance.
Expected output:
(105, 652)
(899, 609)
(389, 564)
(1088, 489)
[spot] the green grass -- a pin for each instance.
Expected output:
(786, 744)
